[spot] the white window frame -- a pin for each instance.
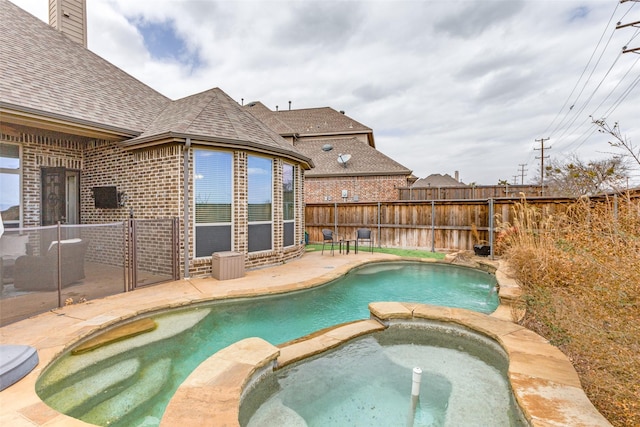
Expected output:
(19, 171)
(295, 216)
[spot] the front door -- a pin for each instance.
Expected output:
(60, 196)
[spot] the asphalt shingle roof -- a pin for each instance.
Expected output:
(308, 121)
(269, 118)
(213, 115)
(46, 72)
(365, 160)
(437, 180)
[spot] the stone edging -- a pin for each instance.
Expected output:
(545, 385)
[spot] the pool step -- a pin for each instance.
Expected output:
(167, 326)
(123, 332)
(81, 392)
(149, 383)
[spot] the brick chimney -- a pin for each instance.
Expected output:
(70, 18)
(456, 175)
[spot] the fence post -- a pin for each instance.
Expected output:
(491, 226)
(125, 254)
(59, 229)
(379, 230)
(133, 280)
(433, 226)
(175, 247)
(335, 218)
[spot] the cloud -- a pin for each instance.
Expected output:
(313, 24)
(471, 19)
(445, 85)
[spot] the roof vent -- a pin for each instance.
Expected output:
(327, 147)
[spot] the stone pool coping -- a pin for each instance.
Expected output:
(54, 332)
(545, 384)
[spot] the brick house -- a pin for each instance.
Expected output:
(347, 165)
(73, 125)
(436, 180)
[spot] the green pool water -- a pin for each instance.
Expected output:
(129, 383)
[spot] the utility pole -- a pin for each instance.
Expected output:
(636, 24)
(522, 172)
(515, 179)
(542, 157)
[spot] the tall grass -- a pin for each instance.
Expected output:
(581, 277)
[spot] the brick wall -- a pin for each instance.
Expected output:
(364, 188)
(153, 184)
(151, 180)
(38, 151)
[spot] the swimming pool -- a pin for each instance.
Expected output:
(130, 382)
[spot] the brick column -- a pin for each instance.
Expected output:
(240, 203)
(278, 236)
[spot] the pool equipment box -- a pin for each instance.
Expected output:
(227, 265)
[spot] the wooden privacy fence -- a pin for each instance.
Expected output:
(432, 225)
(468, 192)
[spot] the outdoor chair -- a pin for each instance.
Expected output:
(327, 237)
(364, 235)
(40, 273)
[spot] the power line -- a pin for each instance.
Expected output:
(595, 113)
(595, 90)
(583, 71)
(590, 98)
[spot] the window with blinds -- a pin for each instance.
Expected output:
(213, 188)
(288, 204)
(260, 209)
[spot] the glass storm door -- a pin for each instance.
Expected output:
(60, 191)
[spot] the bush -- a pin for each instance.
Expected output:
(580, 272)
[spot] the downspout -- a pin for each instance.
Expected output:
(187, 174)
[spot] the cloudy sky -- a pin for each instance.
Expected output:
(446, 85)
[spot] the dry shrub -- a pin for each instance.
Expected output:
(581, 276)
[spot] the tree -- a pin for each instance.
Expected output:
(577, 178)
(620, 141)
